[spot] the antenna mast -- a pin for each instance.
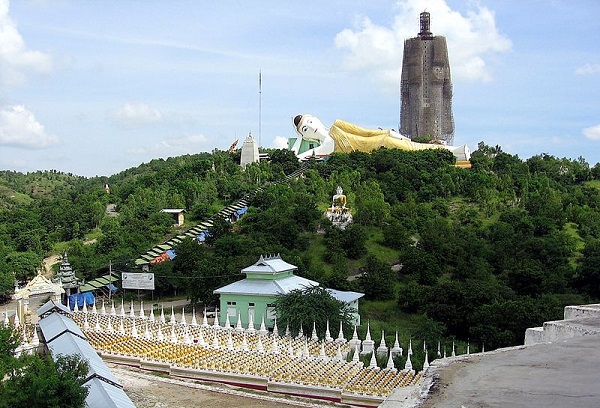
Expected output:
(259, 105)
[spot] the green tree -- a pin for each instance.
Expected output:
(311, 305)
(377, 279)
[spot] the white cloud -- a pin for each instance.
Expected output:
(592, 133)
(132, 115)
(187, 144)
(279, 142)
(470, 38)
(19, 127)
(588, 69)
(16, 61)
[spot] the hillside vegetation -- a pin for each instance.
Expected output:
(478, 254)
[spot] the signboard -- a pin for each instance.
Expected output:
(137, 280)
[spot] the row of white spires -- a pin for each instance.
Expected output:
(30, 342)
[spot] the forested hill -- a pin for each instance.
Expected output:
(477, 254)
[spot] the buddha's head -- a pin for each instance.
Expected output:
(310, 128)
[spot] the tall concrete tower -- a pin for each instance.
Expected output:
(426, 88)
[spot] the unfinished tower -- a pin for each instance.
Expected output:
(426, 88)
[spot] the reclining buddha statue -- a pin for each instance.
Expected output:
(316, 140)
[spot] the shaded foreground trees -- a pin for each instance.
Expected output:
(38, 381)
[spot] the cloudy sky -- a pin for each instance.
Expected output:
(96, 87)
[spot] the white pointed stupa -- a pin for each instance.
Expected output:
(109, 326)
(314, 336)
(340, 337)
(373, 362)
(306, 349)
(86, 324)
(113, 312)
(201, 338)
(355, 356)
(468, 348)
(355, 341)
(186, 336)
(368, 345)
(159, 335)
(244, 342)
(439, 351)
(322, 354)
(338, 354)
(162, 314)
(409, 352)
(227, 322)
(229, 341)
(194, 321)
(97, 327)
(122, 311)
(35, 340)
(275, 346)
(183, 321)
(426, 362)
(259, 345)
(453, 350)
(216, 324)
(238, 327)
(76, 308)
(263, 329)
(147, 333)
(408, 365)
(151, 317)
(300, 333)
(142, 314)
(382, 349)
(396, 349)
(251, 328)
(84, 309)
(390, 363)
(134, 332)
(94, 310)
(131, 311)
(290, 349)
(172, 319)
(204, 319)
(103, 309)
(215, 342)
(275, 329)
(328, 337)
(17, 321)
(121, 327)
(173, 337)
(288, 333)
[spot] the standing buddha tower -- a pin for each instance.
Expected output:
(426, 88)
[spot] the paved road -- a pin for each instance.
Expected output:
(561, 374)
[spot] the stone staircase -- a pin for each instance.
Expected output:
(581, 320)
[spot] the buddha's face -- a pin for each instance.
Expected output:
(311, 128)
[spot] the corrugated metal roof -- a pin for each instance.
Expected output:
(269, 266)
(104, 395)
(266, 287)
(345, 296)
(56, 324)
(68, 344)
(51, 305)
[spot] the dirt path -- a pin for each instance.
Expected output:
(48, 262)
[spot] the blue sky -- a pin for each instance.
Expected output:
(95, 87)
